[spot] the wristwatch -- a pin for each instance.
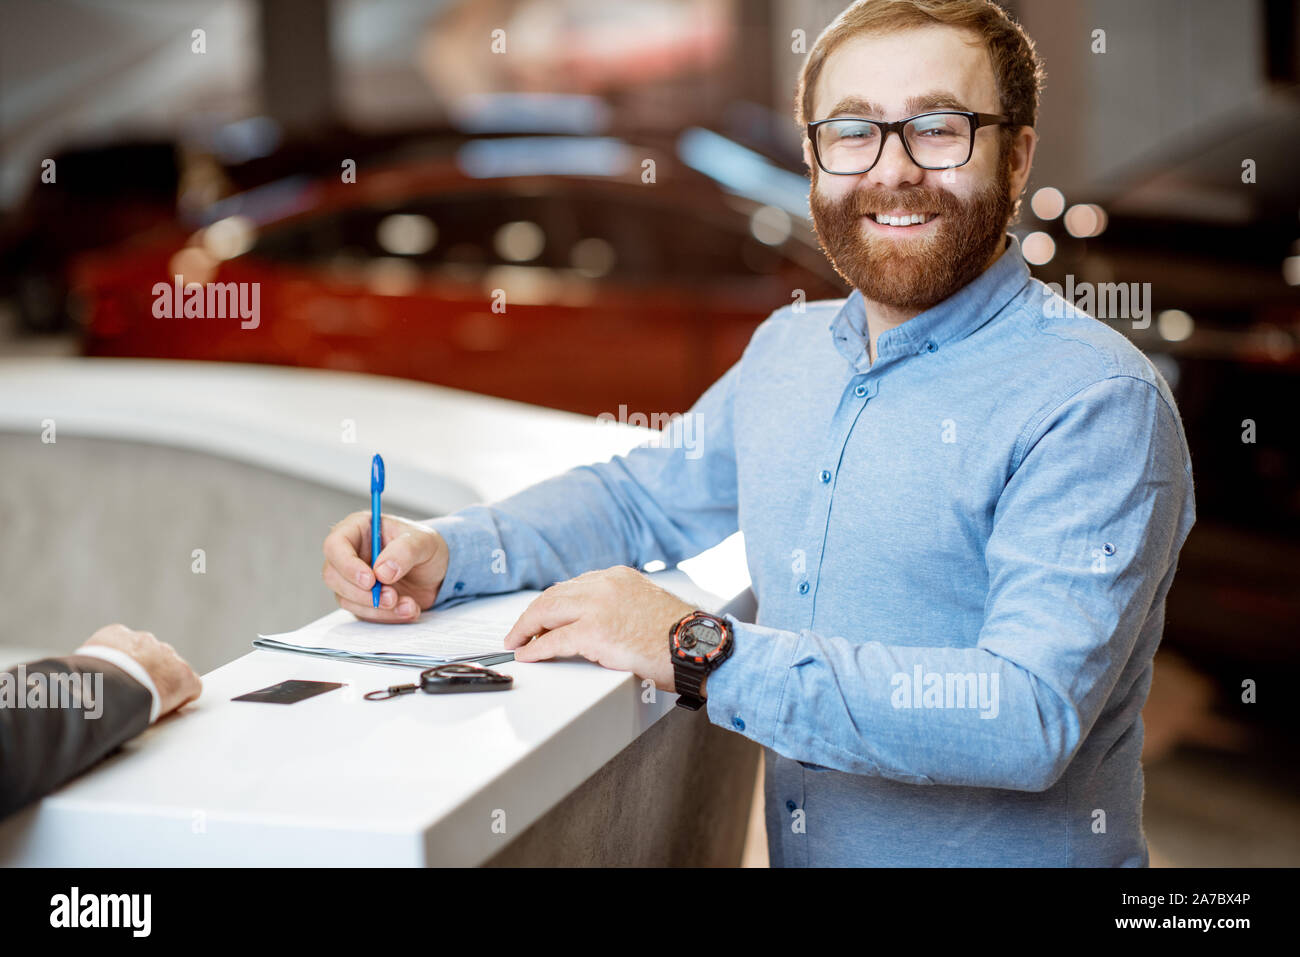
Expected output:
(697, 644)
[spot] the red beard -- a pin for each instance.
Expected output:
(914, 272)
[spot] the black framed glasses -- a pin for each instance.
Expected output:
(940, 139)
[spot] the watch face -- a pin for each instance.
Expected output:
(700, 639)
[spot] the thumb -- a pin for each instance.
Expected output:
(408, 546)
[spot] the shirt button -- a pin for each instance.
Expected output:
(860, 391)
(1108, 548)
(460, 586)
(738, 722)
(790, 805)
(930, 346)
(803, 588)
(825, 476)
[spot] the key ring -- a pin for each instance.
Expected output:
(451, 678)
(392, 691)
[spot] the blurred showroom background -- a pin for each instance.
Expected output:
(211, 139)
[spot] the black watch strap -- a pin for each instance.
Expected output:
(688, 687)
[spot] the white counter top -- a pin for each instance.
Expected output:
(443, 448)
(336, 779)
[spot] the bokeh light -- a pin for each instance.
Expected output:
(193, 264)
(406, 235)
(592, 257)
(230, 237)
(1038, 248)
(1085, 220)
(1047, 203)
(519, 241)
(1174, 325)
(770, 225)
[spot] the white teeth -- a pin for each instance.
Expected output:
(907, 219)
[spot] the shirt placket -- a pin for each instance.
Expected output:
(824, 474)
(791, 778)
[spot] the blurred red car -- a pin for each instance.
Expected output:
(581, 273)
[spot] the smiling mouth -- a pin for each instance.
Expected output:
(901, 220)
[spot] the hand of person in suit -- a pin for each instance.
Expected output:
(175, 680)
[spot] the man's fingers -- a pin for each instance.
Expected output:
(565, 642)
(407, 547)
(354, 592)
(550, 610)
(193, 688)
(344, 548)
(406, 610)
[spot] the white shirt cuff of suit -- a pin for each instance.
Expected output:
(115, 656)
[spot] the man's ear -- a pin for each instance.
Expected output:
(808, 160)
(1021, 159)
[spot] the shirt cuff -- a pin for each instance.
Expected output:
(115, 656)
(745, 690)
(468, 568)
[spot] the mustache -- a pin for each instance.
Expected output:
(864, 203)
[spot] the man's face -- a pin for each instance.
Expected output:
(890, 78)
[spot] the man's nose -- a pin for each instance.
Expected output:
(895, 168)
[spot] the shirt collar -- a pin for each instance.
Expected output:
(948, 321)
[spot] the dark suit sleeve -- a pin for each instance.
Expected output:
(40, 748)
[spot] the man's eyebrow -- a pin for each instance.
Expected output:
(934, 100)
(856, 106)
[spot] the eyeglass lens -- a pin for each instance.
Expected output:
(935, 141)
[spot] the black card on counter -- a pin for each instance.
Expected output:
(289, 692)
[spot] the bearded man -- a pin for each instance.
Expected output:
(962, 501)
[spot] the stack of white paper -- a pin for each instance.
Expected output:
(471, 631)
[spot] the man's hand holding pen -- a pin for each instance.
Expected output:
(410, 568)
(615, 617)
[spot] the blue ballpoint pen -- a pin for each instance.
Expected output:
(376, 520)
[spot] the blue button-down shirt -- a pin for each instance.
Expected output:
(960, 552)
